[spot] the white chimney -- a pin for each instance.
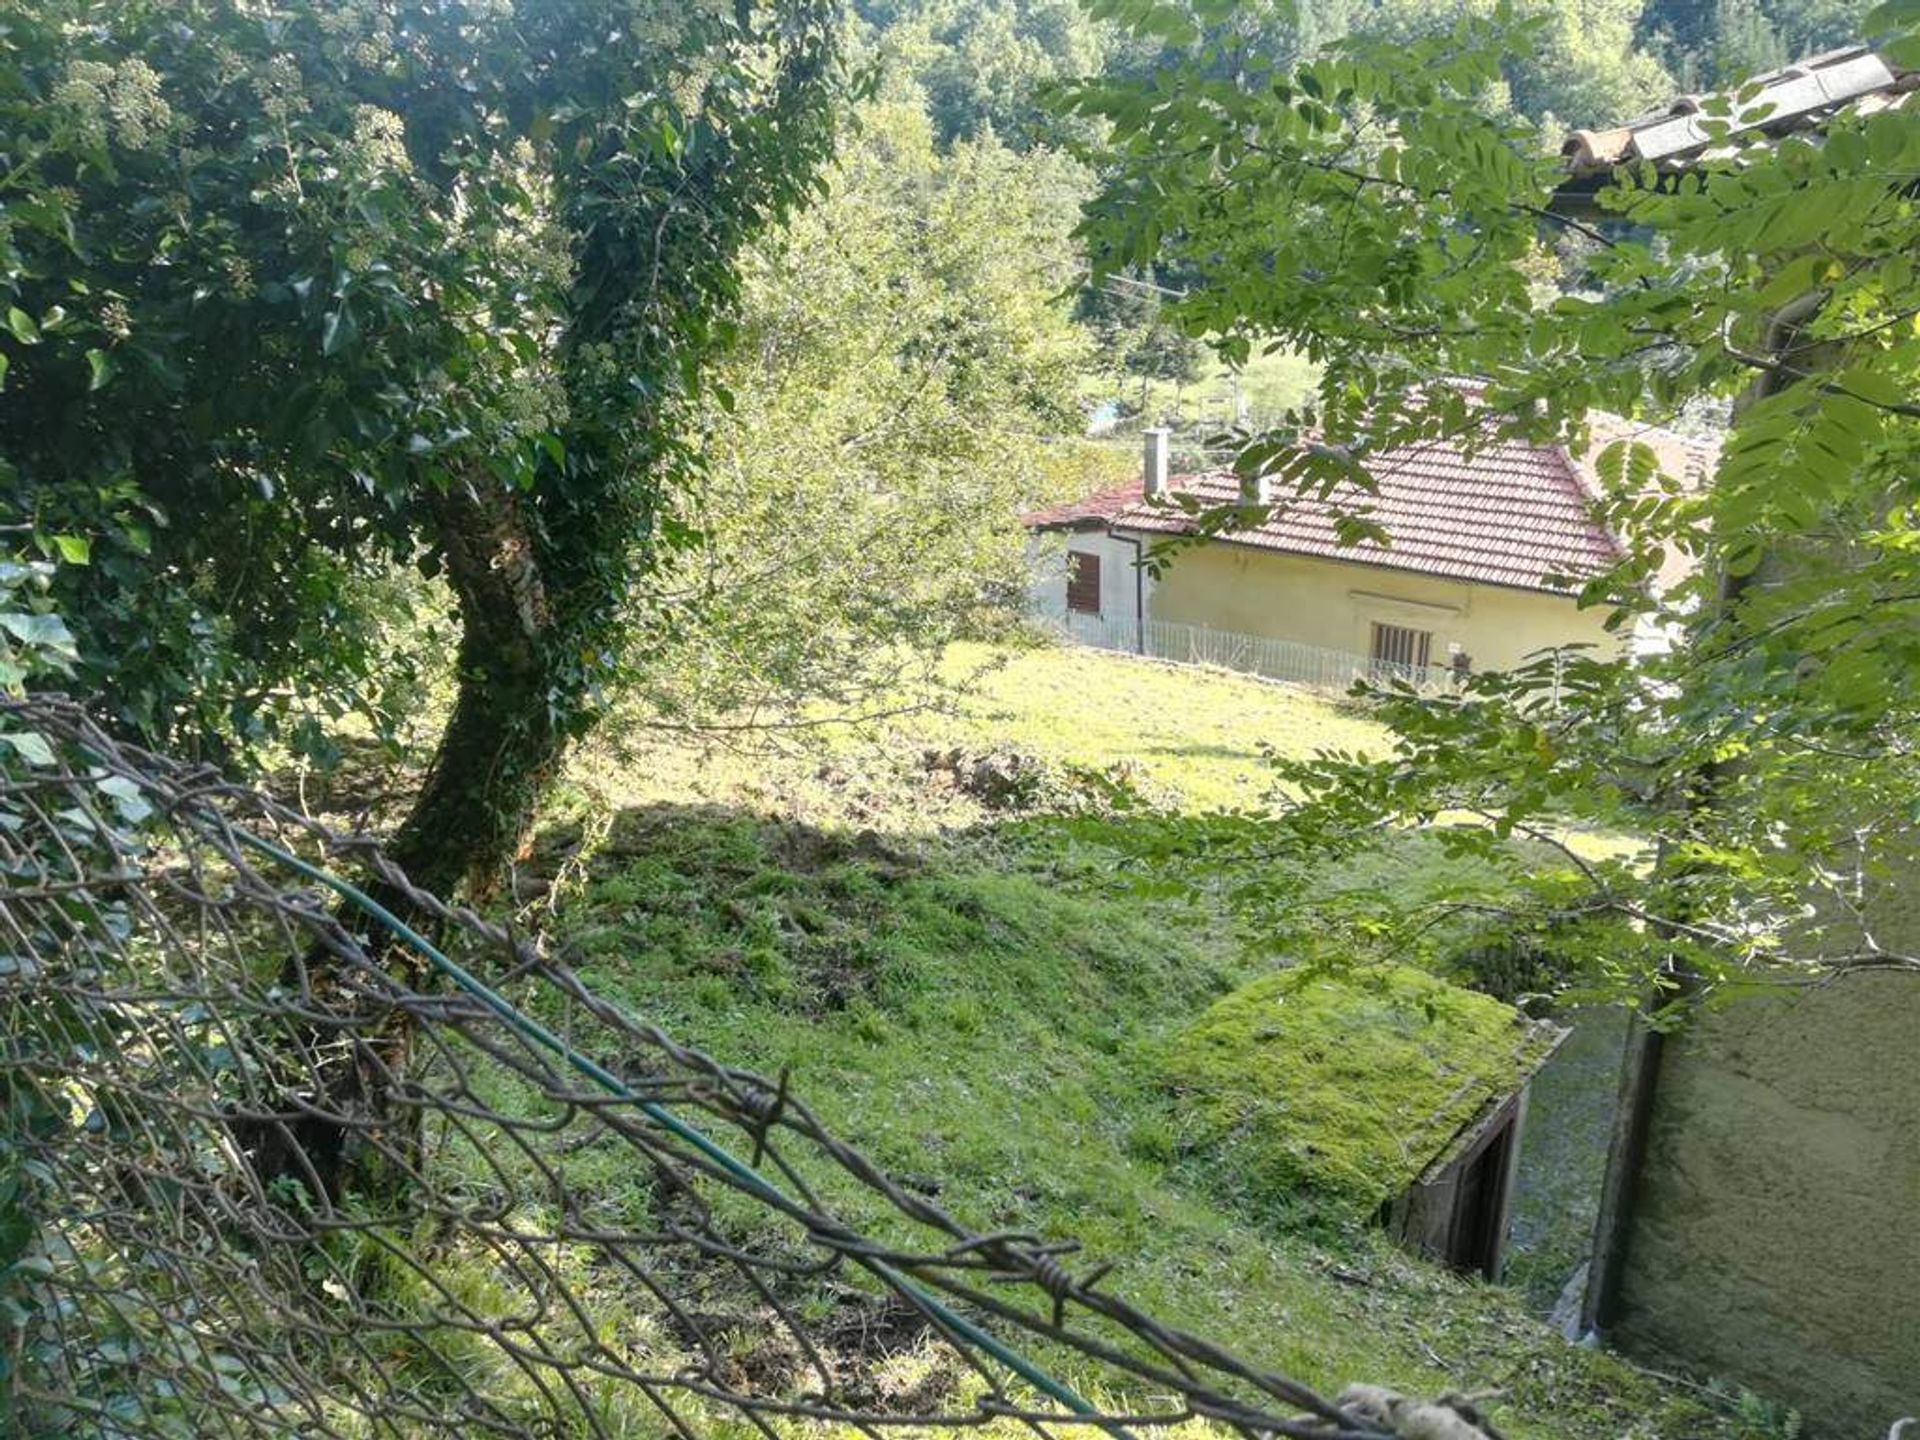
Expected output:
(1154, 480)
(1256, 490)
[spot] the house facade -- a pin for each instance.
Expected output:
(1480, 568)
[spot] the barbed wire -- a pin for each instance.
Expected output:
(284, 1155)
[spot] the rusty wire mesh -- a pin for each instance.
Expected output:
(269, 1176)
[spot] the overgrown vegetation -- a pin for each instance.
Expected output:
(989, 1009)
(1301, 1087)
(1778, 283)
(325, 323)
(298, 301)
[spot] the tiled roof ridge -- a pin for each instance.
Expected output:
(1101, 505)
(1514, 514)
(1795, 96)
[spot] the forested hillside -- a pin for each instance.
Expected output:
(990, 71)
(988, 64)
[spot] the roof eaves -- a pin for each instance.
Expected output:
(1798, 97)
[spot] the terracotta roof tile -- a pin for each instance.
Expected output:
(1512, 514)
(1077, 514)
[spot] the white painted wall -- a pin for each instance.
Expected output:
(1122, 585)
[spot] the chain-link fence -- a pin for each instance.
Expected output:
(276, 1162)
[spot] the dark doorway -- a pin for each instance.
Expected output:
(1480, 1214)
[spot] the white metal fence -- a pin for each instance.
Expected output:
(1308, 665)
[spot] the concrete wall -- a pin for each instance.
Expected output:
(1116, 625)
(1774, 1226)
(1334, 605)
(1775, 1238)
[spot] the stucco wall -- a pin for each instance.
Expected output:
(1116, 624)
(1334, 605)
(1775, 1239)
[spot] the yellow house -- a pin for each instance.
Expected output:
(1480, 569)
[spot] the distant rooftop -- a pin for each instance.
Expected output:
(1800, 97)
(1511, 514)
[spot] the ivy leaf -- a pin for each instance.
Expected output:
(132, 805)
(47, 632)
(22, 326)
(74, 549)
(338, 331)
(102, 367)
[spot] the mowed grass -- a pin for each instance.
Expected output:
(991, 1016)
(1194, 739)
(1198, 734)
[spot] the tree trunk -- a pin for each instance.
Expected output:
(502, 744)
(499, 749)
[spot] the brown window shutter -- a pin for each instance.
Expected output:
(1083, 582)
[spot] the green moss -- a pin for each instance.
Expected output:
(1344, 1087)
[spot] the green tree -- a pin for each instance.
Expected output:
(905, 356)
(1368, 211)
(985, 65)
(1710, 45)
(1583, 66)
(300, 295)
(1135, 335)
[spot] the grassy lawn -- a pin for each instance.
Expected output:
(999, 1024)
(1197, 735)
(1191, 738)
(994, 1039)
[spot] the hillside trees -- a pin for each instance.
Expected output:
(1583, 65)
(905, 371)
(302, 295)
(1369, 212)
(985, 65)
(1706, 45)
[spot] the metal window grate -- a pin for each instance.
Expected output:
(1398, 645)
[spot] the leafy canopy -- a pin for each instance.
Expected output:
(282, 281)
(904, 350)
(1367, 208)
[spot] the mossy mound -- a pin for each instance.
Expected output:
(1304, 1086)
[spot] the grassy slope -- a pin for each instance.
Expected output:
(983, 1014)
(1195, 733)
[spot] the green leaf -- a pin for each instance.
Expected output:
(47, 632)
(1893, 15)
(1873, 386)
(22, 326)
(1902, 54)
(30, 745)
(132, 804)
(338, 331)
(74, 549)
(102, 367)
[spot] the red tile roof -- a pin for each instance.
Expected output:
(1077, 514)
(1513, 514)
